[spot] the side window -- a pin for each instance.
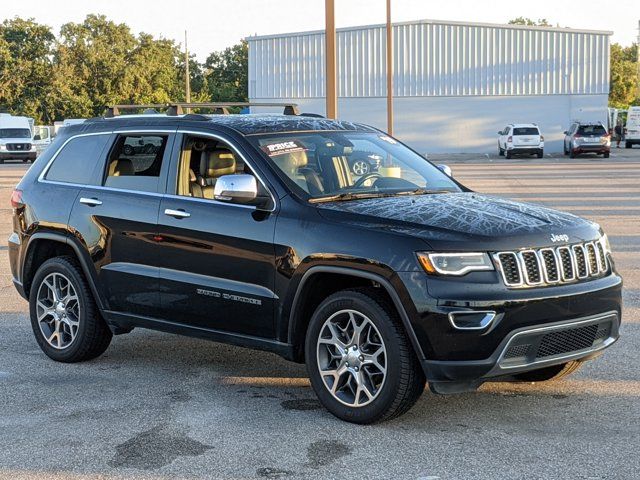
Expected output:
(202, 162)
(134, 162)
(76, 162)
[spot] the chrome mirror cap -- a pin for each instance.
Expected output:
(240, 188)
(446, 169)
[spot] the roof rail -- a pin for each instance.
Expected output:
(179, 108)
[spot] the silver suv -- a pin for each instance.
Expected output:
(587, 137)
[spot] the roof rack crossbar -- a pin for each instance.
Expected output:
(179, 108)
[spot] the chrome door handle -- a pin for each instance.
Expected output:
(177, 213)
(92, 202)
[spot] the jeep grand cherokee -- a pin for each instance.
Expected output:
(253, 230)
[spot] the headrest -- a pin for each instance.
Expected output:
(290, 162)
(121, 167)
(217, 163)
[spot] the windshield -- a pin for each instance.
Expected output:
(351, 164)
(15, 133)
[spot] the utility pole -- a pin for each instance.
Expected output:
(187, 78)
(638, 58)
(389, 70)
(330, 59)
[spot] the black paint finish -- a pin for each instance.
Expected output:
(244, 276)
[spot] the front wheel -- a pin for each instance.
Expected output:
(64, 317)
(549, 373)
(359, 359)
(627, 144)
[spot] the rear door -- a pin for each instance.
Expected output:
(217, 265)
(117, 219)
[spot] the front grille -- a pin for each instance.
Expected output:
(548, 266)
(556, 343)
(18, 147)
(516, 351)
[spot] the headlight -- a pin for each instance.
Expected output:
(454, 263)
(3, 147)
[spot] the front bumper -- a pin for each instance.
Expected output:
(18, 155)
(451, 354)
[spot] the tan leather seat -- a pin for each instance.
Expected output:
(214, 164)
(121, 167)
(294, 164)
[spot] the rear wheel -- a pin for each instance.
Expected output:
(540, 154)
(627, 144)
(360, 167)
(64, 317)
(359, 359)
(500, 150)
(508, 154)
(605, 154)
(554, 372)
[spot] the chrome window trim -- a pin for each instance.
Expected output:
(564, 326)
(45, 170)
(244, 159)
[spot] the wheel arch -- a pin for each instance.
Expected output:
(53, 245)
(300, 313)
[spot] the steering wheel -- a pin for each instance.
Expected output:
(364, 178)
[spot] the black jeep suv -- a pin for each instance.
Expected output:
(253, 230)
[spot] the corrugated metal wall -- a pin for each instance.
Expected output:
(434, 59)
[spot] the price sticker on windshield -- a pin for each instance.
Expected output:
(290, 146)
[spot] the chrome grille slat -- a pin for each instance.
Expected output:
(552, 266)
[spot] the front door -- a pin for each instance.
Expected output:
(217, 266)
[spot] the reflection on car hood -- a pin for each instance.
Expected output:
(464, 216)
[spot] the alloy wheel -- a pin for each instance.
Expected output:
(58, 310)
(351, 358)
(360, 167)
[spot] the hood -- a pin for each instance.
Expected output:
(467, 221)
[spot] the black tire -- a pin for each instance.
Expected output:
(540, 154)
(605, 155)
(572, 154)
(93, 335)
(546, 374)
(404, 381)
(500, 150)
(508, 154)
(627, 145)
(564, 149)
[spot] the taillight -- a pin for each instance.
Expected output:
(510, 139)
(541, 138)
(16, 199)
(577, 135)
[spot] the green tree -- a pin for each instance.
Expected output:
(541, 22)
(227, 74)
(623, 90)
(25, 67)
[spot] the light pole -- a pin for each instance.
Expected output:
(389, 70)
(330, 59)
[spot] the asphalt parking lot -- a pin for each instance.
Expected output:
(160, 406)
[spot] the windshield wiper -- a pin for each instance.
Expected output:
(422, 191)
(341, 197)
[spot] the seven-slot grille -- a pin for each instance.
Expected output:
(548, 266)
(19, 147)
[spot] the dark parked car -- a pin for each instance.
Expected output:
(251, 230)
(587, 138)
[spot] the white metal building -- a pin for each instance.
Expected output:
(455, 84)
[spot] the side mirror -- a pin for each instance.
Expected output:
(446, 169)
(36, 138)
(499, 133)
(240, 188)
(566, 132)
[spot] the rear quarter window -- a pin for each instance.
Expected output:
(77, 160)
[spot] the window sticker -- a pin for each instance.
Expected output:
(388, 139)
(290, 146)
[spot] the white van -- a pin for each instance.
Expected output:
(632, 129)
(16, 139)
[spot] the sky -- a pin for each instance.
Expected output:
(217, 24)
